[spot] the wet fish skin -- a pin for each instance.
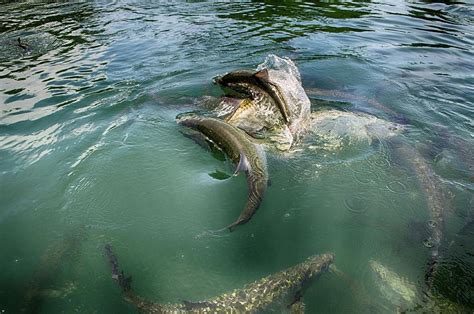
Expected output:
(282, 286)
(249, 157)
(124, 282)
(241, 79)
(436, 199)
(401, 289)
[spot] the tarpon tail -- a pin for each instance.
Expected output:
(125, 284)
(257, 186)
(256, 190)
(237, 145)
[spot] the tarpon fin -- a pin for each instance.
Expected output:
(297, 305)
(243, 165)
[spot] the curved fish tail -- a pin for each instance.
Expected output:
(229, 228)
(219, 233)
(234, 225)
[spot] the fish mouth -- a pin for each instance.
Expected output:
(239, 83)
(233, 77)
(245, 82)
(318, 263)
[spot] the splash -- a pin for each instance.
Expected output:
(285, 76)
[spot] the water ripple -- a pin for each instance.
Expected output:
(89, 92)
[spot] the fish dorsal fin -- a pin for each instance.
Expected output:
(262, 74)
(243, 165)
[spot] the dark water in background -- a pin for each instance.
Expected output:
(90, 153)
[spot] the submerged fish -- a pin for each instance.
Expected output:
(403, 294)
(338, 129)
(349, 97)
(436, 199)
(285, 287)
(53, 258)
(396, 289)
(250, 157)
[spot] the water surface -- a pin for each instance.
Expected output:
(90, 152)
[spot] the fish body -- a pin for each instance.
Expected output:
(249, 157)
(286, 286)
(259, 117)
(403, 294)
(436, 200)
(356, 126)
(57, 255)
(395, 288)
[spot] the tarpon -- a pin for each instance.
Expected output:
(283, 288)
(249, 157)
(242, 79)
(397, 289)
(53, 258)
(259, 117)
(271, 105)
(436, 199)
(403, 294)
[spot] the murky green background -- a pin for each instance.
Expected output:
(90, 153)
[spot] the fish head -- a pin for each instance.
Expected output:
(398, 290)
(317, 264)
(259, 109)
(235, 77)
(275, 89)
(377, 268)
(256, 85)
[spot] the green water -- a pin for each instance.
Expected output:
(90, 152)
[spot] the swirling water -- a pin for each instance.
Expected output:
(90, 152)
